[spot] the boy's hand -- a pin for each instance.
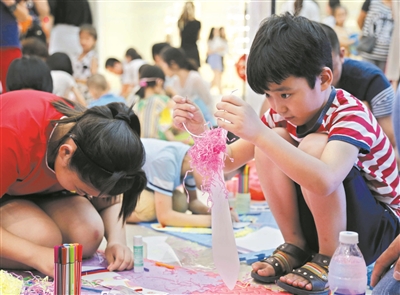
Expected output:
(242, 119)
(186, 112)
(119, 257)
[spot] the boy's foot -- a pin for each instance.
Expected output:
(311, 278)
(281, 262)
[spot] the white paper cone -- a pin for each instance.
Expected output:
(226, 258)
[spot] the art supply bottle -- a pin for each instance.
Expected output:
(137, 254)
(347, 269)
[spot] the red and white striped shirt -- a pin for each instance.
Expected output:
(346, 118)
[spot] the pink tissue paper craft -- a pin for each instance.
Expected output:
(208, 154)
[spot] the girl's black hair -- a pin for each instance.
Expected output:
(211, 36)
(109, 154)
(149, 71)
(133, 54)
(60, 61)
(284, 46)
(176, 55)
(29, 73)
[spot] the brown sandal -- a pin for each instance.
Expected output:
(279, 261)
(316, 272)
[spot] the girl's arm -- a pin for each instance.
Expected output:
(94, 65)
(118, 255)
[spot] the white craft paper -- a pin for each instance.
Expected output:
(159, 250)
(263, 239)
(225, 255)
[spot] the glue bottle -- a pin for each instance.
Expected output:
(137, 254)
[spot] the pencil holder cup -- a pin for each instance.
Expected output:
(242, 204)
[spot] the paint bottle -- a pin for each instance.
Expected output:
(137, 254)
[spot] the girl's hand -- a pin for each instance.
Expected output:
(186, 112)
(119, 257)
(238, 117)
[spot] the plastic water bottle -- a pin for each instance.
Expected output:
(347, 269)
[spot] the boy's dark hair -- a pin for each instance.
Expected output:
(109, 154)
(110, 62)
(332, 37)
(33, 46)
(29, 73)
(133, 54)
(284, 46)
(60, 61)
(176, 55)
(158, 47)
(89, 29)
(149, 71)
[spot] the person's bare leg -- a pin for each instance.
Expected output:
(280, 193)
(26, 220)
(78, 221)
(329, 212)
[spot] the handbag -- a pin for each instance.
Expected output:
(366, 44)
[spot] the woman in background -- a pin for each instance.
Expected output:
(189, 29)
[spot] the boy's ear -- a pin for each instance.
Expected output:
(326, 78)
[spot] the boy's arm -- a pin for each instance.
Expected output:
(321, 176)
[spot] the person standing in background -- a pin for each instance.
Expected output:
(340, 14)
(217, 48)
(376, 19)
(189, 29)
(11, 12)
(68, 17)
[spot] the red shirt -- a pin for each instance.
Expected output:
(25, 128)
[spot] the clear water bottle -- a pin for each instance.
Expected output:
(347, 269)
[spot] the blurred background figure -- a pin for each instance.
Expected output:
(29, 73)
(68, 17)
(64, 84)
(86, 63)
(340, 14)
(133, 62)
(307, 8)
(188, 82)
(189, 29)
(217, 48)
(11, 12)
(329, 20)
(38, 25)
(32, 46)
(100, 91)
(376, 19)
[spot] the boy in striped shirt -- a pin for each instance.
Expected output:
(323, 161)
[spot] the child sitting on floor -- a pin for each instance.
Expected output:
(153, 107)
(325, 165)
(99, 90)
(166, 165)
